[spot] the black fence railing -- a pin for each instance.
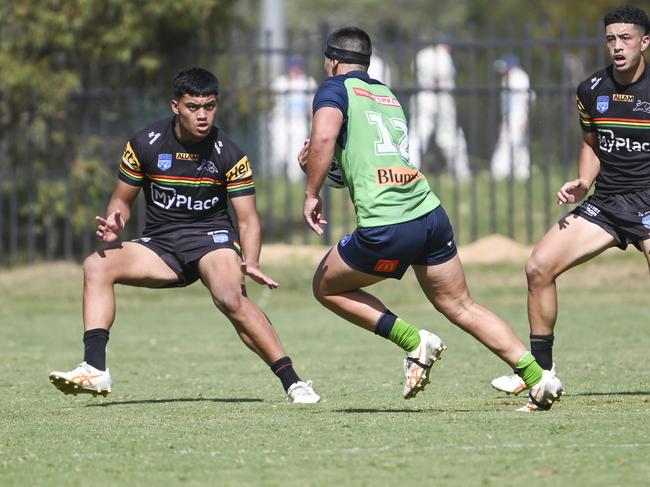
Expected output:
(468, 99)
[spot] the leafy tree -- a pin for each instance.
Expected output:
(55, 53)
(54, 47)
(418, 17)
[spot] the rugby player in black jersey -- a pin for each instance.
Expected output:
(614, 107)
(189, 171)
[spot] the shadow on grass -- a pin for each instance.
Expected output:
(165, 401)
(613, 393)
(401, 410)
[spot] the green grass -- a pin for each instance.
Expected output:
(192, 406)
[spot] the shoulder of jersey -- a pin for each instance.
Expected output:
(370, 81)
(594, 82)
(224, 144)
(334, 80)
(374, 81)
(151, 135)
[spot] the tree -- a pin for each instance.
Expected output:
(58, 57)
(53, 47)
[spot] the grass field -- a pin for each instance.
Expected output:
(192, 406)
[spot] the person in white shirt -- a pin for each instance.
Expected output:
(512, 154)
(379, 70)
(433, 111)
(290, 117)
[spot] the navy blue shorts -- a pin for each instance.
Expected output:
(389, 250)
(182, 248)
(626, 217)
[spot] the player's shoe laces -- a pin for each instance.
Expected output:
(511, 384)
(543, 394)
(302, 393)
(84, 379)
(417, 363)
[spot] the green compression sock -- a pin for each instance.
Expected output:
(528, 369)
(405, 335)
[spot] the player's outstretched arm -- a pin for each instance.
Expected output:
(250, 233)
(574, 191)
(118, 212)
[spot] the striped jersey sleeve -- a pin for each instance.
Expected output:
(586, 122)
(239, 178)
(130, 167)
(584, 101)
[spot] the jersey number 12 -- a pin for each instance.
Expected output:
(385, 145)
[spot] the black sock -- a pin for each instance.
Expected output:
(283, 368)
(541, 346)
(385, 324)
(95, 342)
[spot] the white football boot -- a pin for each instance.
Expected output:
(511, 384)
(417, 363)
(302, 393)
(84, 379)
(543, 394)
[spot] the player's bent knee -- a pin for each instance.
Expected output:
(322, 296)
(317, 290)
(537, 271)
(453, 308)
(230, 302)
(95, 268)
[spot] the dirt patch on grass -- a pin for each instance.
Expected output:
(494, 248)
(284, 253)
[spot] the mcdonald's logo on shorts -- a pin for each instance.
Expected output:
(384, 265)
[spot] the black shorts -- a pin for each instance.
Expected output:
(387, 251)
(182, 248)
(626, 217)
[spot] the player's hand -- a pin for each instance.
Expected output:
(312, 212)
(253, 271)
(110, 228)
(302, 156)
(572, 191)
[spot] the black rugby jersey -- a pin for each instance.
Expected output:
(620, 116)
(185, 183)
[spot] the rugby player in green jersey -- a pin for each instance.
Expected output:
(400, 224)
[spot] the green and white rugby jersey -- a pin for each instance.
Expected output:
(372, 149)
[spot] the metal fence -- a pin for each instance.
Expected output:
(56, 175)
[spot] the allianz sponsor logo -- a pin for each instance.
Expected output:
(168, 198)
(623, 97)
(608, 142)
(187, 156)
